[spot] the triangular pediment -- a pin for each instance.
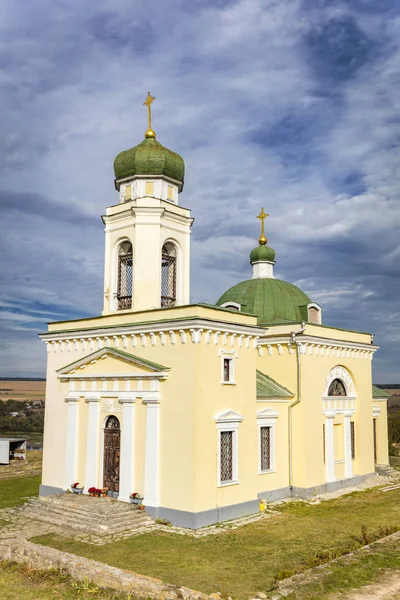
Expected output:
(107, 360)
(228, 416)
(267, 413)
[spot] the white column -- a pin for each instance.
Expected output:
(152, 460)
(126, 473)
(329, 448)
(71, 450)
(348, 465)
(92, 444)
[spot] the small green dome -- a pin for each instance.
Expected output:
(262, 253)
(149, 158)
(271, 300)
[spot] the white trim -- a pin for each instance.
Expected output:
(156, 326)
(92, 443)
(229, 421)
(319, 309)
(376, 411)
(152, 454)
(329, 343)
(267, 418)
(268, 400)
(234, 305)
(126, 470)
(71, 450)
(231, 357)
(348, 469)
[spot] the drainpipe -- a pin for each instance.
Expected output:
(297, 401)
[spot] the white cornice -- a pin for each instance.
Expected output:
(200, 327)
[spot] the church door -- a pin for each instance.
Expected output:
(112, 445)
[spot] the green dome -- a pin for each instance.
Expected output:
(149, 158)
(262, 253)
(271, 300)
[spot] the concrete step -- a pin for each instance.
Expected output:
(93, 515)
(100, 528)
(103, 519)
(385, 470)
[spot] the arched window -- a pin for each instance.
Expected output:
(168, 275)
(337, 388)
(125, 276)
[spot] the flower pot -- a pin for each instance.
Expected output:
(137, 501)
(77, 490)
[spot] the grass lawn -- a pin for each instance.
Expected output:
(16, 490)
(18, 581)
(247, 560)
(351, 573)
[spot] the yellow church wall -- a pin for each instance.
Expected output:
(382, 434)
(214, 398)
(310, 470)
(152, 316)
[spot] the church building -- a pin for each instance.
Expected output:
(203, 409)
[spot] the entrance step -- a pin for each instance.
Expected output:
(386, 470)
(100, 516)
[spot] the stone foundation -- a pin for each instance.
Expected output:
(102, 575)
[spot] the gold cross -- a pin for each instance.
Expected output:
(262, 240)
(147, 102)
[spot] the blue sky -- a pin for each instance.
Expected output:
(291, 105)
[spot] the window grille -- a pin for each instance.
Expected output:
(227, 369)
(337, 388)
(112, 423)
(353, 440)
(168, 275)
(125, 276)
(265, 448)
(226, 457)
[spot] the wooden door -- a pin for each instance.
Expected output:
(112, 450)
(375, 443)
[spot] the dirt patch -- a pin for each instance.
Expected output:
(389, 589)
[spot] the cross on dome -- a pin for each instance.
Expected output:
(262, 240)
(149, 133)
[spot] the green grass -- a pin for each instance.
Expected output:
(16, 490)
(351, 573)
(19, 581)
(241, 562)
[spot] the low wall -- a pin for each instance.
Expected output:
(102, 575)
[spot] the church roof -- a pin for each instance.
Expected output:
(379, 392)
(271, 300)
(269, 388)
(149, 158)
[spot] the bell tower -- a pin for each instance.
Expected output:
(147, 250)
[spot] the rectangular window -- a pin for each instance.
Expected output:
(265, 448)
(170, 192)
(227, 369)
(226, 456)
(353, 440)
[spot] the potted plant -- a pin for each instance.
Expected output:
(77, 488)
(104, 492)
(93, 491)
(136, 498)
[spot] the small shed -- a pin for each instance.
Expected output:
(12, 449)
